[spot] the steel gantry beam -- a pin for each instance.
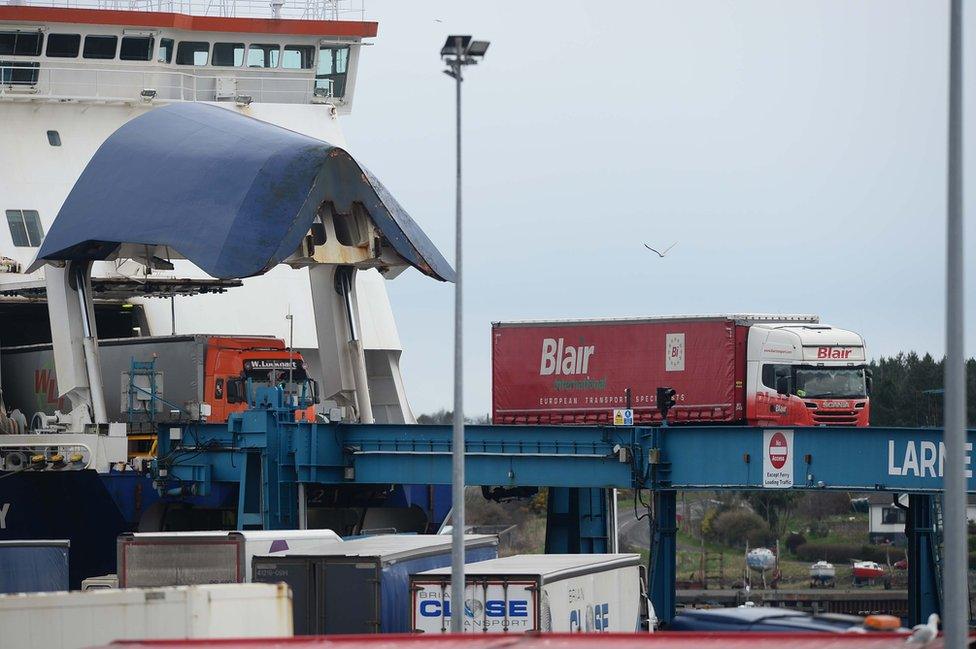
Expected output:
(268, 454)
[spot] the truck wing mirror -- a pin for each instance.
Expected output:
(234, 390)
(868, 382)
(782, 385)
(315, 391)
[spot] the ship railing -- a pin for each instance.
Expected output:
(107, 84)
(289, 9)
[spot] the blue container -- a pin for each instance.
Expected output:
(33, 566)
(363, 586)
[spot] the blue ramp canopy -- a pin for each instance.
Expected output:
(232, 194)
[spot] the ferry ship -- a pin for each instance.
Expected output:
(73, 72)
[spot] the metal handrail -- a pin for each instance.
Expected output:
(163, 84)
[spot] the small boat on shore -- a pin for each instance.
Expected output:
(761, 559)
(822, 574)
(867, 570)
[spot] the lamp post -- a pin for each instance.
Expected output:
(955, 590)
(458, 51)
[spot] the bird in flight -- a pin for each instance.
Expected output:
(661, 254)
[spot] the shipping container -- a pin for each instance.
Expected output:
(152, 559)
(361, 586)
(536, 592)
(83, 619)
(33, 566)
(756, 369)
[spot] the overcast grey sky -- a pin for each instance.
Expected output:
(796, 151)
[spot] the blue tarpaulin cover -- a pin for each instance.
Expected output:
(232, 194)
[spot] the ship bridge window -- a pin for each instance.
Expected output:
(263, 56)
(192, 53)
(165, 50)
(100, 47)
(136, 48)
(63, 45)
(330, 75)
(227, 54)
(298, 57)
(25, 228)
(20, 43)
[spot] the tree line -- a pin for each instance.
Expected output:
(907, 391)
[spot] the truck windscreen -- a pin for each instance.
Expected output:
(826, 382)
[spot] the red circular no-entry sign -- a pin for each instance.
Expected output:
(778, 450)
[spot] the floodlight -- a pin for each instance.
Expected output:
(478, 48)
(450, 46)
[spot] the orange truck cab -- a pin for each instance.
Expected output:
(235, 365)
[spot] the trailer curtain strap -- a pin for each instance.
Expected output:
(232, 194)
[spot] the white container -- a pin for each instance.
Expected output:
(150, 559)
(535, 592)
(85, 619)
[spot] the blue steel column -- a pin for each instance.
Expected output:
(923, 587)
(663, 554)
(576, 521)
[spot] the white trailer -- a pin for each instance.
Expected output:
(95, 618)
(536, 592)
(151, 559)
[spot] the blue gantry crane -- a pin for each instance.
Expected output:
(268, 455)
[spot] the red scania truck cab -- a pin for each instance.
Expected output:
(753, 369)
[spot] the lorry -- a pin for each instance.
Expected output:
(563, 593)
(189, 376)
(70, 620)
(148, 559)
(33, 566)
(748, 369)
(360, 586)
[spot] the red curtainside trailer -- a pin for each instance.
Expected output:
(578, 372)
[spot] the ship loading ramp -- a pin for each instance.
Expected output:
(271, 458)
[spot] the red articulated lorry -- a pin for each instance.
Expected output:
(748, 369)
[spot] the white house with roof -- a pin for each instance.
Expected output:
(886, 520)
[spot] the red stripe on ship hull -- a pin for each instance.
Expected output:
(189, 23)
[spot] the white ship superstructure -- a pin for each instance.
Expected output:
(71, 75)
